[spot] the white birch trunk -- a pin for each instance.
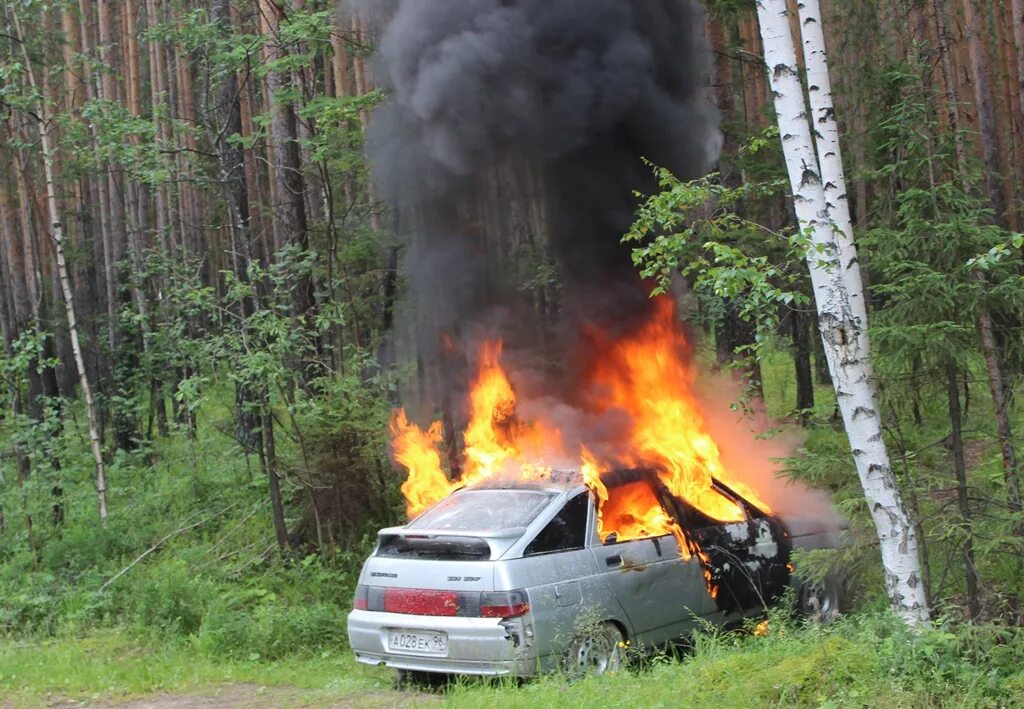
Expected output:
(830, 159)
(845, 348)
(62, 269)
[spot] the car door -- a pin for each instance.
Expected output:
(661, 592)
(748, 562)
(558, 571)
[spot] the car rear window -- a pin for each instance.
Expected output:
(478, 510)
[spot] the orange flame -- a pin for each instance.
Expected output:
(419, 452)
(649, 377)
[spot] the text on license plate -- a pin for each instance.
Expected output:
(418, 642)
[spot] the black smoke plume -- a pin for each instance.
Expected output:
(498, 109)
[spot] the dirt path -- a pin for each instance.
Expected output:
(251, 696)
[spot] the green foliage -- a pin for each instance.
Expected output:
(698, 230)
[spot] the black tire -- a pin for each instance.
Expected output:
(596, 651)
(821, 601)
(417, 680)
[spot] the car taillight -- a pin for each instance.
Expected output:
(504, 604)
(414, 601)
(462, 604)
(362, 601)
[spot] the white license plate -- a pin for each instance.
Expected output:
(418, 642)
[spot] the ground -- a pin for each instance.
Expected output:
(251, 696)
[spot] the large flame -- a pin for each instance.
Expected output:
(647, 375)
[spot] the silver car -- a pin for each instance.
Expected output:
(516, 581)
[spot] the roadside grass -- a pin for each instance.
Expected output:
(866, 661)
(112, 665)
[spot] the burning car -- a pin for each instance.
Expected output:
(518, 580)
(509, 566)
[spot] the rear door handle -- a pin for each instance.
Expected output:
(613, 560)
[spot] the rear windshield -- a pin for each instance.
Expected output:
(478, 510)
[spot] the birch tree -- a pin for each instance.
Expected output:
(843, 331)
(57, 234)
(830, 159)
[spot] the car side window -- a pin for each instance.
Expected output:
(566, 532)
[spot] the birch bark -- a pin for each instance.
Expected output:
(57, 234)
(830, 159)
(846, 348)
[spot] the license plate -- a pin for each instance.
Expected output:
(418, 642)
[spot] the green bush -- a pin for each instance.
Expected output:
(257, 625)
(171, 599)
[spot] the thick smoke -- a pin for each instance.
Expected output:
(572, 92)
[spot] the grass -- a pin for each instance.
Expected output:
(863, 661)
(113, 666)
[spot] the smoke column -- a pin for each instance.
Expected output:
(574, 92)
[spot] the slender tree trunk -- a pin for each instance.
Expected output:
(1017, 21)
(273, 478)
(990, 143)
(231, 161)
(997, 388)
(957, 443)
(989, 346)
(57, 234)
(802, 362)
(289, 212)
(846, 347)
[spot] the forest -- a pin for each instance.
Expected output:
(237, 238)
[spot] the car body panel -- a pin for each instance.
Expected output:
(649, 576)
(646, 587)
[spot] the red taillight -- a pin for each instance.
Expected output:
(419, 602)
(362, 601)
(504, 604)
(464, 604)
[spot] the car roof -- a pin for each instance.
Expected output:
(559, 481)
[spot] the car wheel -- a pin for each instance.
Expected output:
(821, 601)
(596, 651)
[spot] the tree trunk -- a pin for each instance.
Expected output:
(269, 460)
(1000, 402)
(57, 234)
(802, 363)
(231, 161)
(990, 143)
(830, 159)
(957, 444)
(845, 346)
(1017, 20)
(989, 346)
(289, 209)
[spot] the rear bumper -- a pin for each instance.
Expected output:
(476, 646)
